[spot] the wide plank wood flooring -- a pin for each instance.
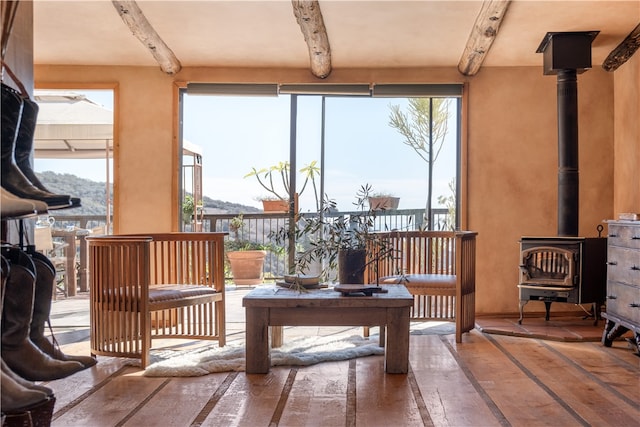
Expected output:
(488, 380)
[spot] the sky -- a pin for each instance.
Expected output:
(239, 133)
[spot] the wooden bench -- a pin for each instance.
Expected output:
(166, 285)
(437, 267)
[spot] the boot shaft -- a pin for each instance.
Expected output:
(43, 294)
(12, 178)
(24, 141)
(11, 114)
(17, 307)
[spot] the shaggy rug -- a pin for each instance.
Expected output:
(296, 352)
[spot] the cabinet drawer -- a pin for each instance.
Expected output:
(623, 265)
(620, 298)
(627, 236)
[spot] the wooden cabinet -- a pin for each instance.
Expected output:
(623, 281)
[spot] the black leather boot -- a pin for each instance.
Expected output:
(15, 397)
(12, 179)
(11, 113)
(18, 351)
(24, 146)
(45, 281)
(5, 267)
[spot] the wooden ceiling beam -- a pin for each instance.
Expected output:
(132, 15)
(623, 51)
(482, 35)
(309, 17)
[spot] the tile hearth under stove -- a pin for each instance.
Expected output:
(563, 269)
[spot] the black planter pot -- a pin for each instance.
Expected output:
(351, 265)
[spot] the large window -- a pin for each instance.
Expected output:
(403, 142)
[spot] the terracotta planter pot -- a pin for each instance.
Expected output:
(384, 203)
(246, 266)
(275, 205)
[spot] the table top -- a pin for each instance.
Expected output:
(276, 296)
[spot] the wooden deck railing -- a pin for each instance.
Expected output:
(257, 227)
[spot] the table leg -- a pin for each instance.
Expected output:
(84, 264)
(277, 336)
(70, 276)
(258, 360)
(396, 352)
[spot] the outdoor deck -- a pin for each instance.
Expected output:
(489, 379)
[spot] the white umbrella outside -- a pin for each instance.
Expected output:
(70, 126)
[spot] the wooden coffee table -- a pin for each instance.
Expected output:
(276, 306)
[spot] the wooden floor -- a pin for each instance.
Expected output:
(488, 380)
(496, 379)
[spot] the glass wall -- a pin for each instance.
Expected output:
(352, 140)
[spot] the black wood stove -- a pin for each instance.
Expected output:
(566, 268)
(563, 269)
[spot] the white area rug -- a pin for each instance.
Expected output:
(296, 352)
(433, 327)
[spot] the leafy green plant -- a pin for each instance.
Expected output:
(236, 224)
(189, 207)
(237, 243)
(275, 180)
(321, 237)
(424, 127)
(450, 203)
(382, 194)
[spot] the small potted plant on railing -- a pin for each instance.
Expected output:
(383, 201)
(275, 180)
(341, 242)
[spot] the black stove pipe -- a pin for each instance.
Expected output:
(566, 54)
(568, 174)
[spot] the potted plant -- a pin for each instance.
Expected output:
(245, 258)
(275, 180)
(383, 201)
(340, 241)
(191, 210)
(189, 207)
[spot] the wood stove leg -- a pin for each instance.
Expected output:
(547, 307)
(595, 313)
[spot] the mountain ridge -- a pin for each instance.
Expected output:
(93, 195)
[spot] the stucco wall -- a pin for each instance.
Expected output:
(513, 169)
(144, 147)
(511, 141)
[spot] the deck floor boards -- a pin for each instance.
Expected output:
(487, 380)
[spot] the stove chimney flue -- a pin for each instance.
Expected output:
(566, 55)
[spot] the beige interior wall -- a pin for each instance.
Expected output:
(513, 165)
(144, 160)
(627, 137)
(511, 142)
